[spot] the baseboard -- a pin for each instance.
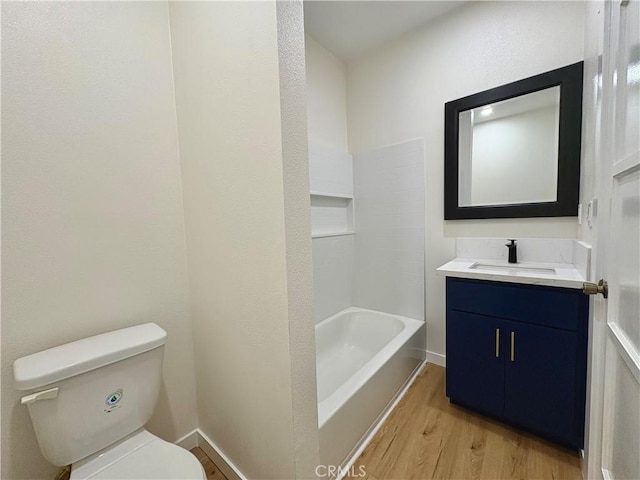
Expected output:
(225, 465)
(357, 451)
(437, 358)
(188, 441)
(197, 438)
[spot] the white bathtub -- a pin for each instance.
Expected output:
(363, 359)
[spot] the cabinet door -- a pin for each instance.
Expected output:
(475, 367)
(540, 381)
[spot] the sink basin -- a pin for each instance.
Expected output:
(512, 268)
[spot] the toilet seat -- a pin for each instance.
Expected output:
(141, 455)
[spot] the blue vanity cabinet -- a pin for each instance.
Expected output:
(540, 382)
(479, 370)
(518, 353)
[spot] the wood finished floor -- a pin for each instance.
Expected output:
(213, 473)
(426, 437)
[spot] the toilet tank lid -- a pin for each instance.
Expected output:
(70, 359)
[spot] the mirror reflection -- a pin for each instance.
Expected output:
(508, 150)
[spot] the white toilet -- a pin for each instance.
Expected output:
(89, 401)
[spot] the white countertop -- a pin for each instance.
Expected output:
(566, 275)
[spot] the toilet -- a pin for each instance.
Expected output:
(89, 401)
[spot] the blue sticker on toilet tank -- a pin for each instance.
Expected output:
(113, 398)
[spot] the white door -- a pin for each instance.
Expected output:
(613, 446)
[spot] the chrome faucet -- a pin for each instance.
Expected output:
(513, 251)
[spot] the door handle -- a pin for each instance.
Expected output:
(513, 346)
(497, 342)
(602, 287)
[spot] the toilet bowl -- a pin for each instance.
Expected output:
(90, 399)
(141, 455)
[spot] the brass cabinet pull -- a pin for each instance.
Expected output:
(513, 346)
(497, 342)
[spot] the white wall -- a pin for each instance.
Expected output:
(591, 105)
(326, 97)
(389, 246)
(398, 93)
(93, 234)
(330, 172)
(245, 178)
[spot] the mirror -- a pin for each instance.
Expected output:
(514, 151)
(508, 151)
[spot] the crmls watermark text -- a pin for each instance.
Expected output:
(339, 472)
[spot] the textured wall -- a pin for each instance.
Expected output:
(295, 171)
(245, 223)
(92, 222)
(398, 93)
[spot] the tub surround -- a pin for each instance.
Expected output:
(331, 185)
(380, 196)
(330, 171)
(389, 191)
(364, 356)
(551, 262)
(332, 227)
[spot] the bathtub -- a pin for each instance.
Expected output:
(363, 360)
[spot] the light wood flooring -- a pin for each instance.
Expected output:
(426, 437)
(213, 473)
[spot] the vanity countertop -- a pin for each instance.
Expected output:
(552, 274)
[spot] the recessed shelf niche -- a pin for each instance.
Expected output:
(331, 214)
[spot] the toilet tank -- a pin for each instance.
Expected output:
(85, 395)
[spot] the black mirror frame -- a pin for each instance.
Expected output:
(569, 79)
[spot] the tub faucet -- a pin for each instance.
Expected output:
(513, 251)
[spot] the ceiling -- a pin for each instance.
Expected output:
(350, 29)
